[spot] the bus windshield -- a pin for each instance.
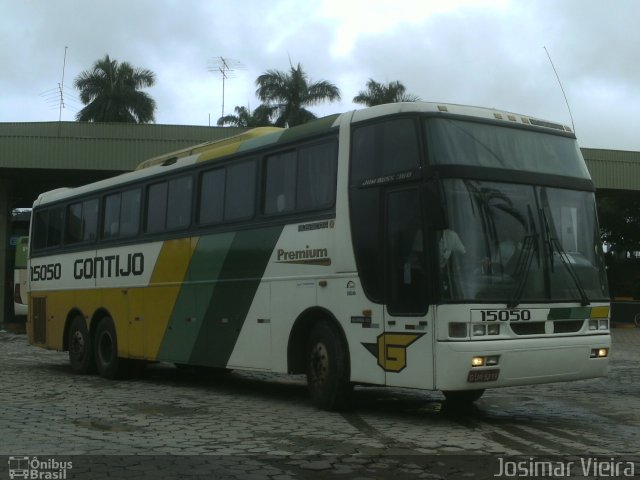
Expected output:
(513, 243)
(484, 145)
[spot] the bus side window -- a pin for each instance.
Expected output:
(111, 222)
(179, 203)
(156, 208)
(280, 184)
(47, 228)
(211, 201)
(239, 202)
(130, 213)
(316, 182)
(121, 215)
(82, 221)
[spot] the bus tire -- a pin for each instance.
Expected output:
(462, 397)
(108, 363)
(80, 347)
(328, 372)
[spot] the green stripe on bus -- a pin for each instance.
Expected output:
(232, 295)
(194, 297)
(569, 313)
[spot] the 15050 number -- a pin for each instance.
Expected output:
(51, 271)
(505, 315)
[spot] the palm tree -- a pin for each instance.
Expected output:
(379, 93)
(260, 117)
(111, 93)
(289, 93)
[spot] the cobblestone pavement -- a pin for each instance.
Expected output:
(170, 423)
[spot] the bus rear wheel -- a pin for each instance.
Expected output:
(108, 363)
(80, 347)
(328, 374)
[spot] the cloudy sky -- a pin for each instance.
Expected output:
(480, 52)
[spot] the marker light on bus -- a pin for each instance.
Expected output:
(595, 324)
(492, 360)
(479, 330)
(599, 352)
(458, 330)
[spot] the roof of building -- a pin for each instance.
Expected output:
(96, 146)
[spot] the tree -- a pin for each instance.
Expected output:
(111, 93)
(619, 217)
(289, 93)
(260, 117)
(379, 93)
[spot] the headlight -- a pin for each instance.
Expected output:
(599, 352)
(477, 362)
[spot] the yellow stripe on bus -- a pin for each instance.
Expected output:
(158, 300)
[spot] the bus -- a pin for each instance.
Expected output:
(419, 245)
(20, 278)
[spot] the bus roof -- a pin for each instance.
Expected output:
(457, 110)
(264, 136)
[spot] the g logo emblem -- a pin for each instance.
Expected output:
(391, 350)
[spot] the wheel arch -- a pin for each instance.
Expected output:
(299, 336)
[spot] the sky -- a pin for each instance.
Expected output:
(488, 53)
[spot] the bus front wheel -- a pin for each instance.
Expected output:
(328, 371)
(108, 363)
(80, 347)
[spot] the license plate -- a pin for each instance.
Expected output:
(483, 375)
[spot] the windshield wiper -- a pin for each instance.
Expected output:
(523, 263)
(523, 266)
(554, 244)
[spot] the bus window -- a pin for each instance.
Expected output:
(316, 181)
(156, 207)
(384, 148)
(240, 191)
(280, 189)
(48, 227)
(121, 215)
(406, 281)
(179, 203)
(211, 196)
(82, 221)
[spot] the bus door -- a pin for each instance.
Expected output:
(405, 350)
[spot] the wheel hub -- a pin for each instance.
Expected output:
(320, 363)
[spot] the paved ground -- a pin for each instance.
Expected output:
(168, 423)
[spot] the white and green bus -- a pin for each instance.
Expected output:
(418, 245)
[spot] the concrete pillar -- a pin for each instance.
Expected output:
(5, 277)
